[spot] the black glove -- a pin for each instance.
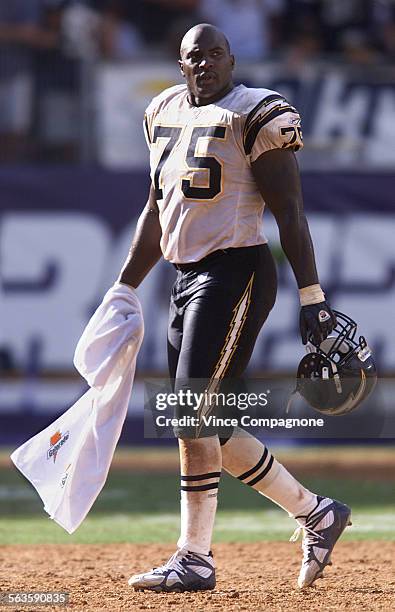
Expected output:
(316, 321)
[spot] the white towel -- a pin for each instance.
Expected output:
(68, 462)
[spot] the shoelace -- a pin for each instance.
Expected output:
(311, 538)
(174, 563)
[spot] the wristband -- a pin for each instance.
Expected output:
(312, 294)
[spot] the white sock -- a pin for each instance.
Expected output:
(198, 508)
(250, 461)
(288, 493)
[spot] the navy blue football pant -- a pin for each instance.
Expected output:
(217, 308)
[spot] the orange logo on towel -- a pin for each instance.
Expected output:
(56, 441)
(55, 438)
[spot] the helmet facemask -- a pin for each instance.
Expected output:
(339, 373)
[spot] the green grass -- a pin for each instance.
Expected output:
(253, 526)
(145, 508)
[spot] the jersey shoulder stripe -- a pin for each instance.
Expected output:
(263, 113)
(265, 102)
(146, 130)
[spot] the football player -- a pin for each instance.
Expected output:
(219, 153)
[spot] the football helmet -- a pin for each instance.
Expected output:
(339, 373)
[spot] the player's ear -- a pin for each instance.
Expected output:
(181, 65)
(233, 61)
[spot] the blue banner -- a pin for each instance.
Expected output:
(65, 233)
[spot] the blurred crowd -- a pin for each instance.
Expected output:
(44, 42)
(359, 30)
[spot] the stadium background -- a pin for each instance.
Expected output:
(75, 77)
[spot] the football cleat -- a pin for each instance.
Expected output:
(321, 530)
(184, 571)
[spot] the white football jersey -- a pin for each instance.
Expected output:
(200, 159)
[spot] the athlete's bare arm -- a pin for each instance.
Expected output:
(276, 173)
(277, 176)
(145, 249)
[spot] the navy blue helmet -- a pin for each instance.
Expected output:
(339, 373)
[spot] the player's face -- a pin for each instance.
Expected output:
(207, 67)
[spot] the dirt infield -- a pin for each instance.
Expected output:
(259, 576)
